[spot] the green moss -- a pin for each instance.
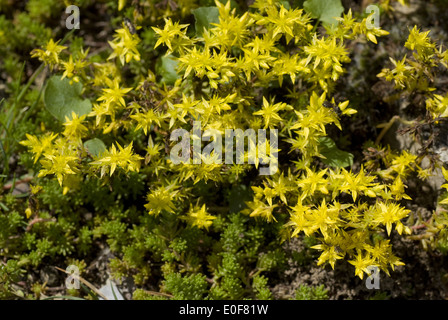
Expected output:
(311, 293)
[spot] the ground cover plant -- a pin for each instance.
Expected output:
(223, 149)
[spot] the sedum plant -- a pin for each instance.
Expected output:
(226, 77)
(414, 78)
(101, 152)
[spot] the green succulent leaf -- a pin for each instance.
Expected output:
(324, 10)
(62, 98)
(204, 17)
(167, 68)
(334, 157)
(95, 147)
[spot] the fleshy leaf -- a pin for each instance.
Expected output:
(62, 98)
(333, 155)
(204, 17)
(95, 146)
(324, 10)
(166, 67)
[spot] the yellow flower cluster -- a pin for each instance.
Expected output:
(418, 73)
(226, 75)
